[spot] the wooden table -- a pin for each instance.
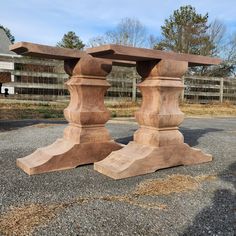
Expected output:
(85, 140)
(157, 143)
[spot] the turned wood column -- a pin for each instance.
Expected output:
(86, 112)
(158, 142)
(159, 115)
(85, 139)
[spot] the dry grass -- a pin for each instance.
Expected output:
(224, 109)
(202, 178)
(19, 221)
(122, 104)
(123, 112)
(127, 109)
(118, 109)
(131, 199)
(172, 184)
(44, 125)
(15, 111)
(22, 220)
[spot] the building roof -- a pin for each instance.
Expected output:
(5, 43)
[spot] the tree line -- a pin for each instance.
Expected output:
(184, 31)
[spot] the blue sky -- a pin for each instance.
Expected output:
(45, 21)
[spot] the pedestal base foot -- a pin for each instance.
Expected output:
(136, 159)
(65, 154)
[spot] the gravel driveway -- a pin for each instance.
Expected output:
(190, 200)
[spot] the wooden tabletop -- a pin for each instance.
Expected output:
(117, 53)
(44, 51)
(49, 52)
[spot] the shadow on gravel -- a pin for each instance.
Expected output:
(191, 136)
(6, 125)
(124, 140)
(220, 217)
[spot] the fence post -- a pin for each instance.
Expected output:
(182, 93)
(221, 89)
(134, 89)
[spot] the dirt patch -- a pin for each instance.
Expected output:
(130, 199)
(205, 178)
(44, 125)
(172, 184)
(17, 110)
(202, 110)
(22, 220)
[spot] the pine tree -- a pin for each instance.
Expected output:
(71, 40)
(186, 31)
(8, 33)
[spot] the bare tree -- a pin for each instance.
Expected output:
(230, 49)
(152, 41)
(217, 32)
(217, 45)
(129, 32)
(228, 53)
(97, 41)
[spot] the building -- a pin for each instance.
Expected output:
(6, 63)
(28, 78)
(43, 80)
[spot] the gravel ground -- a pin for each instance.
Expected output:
(92, 204)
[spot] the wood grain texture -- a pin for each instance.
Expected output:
(158, 143)
(119, 52)
(120, 55)
(86, 139)
(49, 52)
(44, 51)
(137, 159)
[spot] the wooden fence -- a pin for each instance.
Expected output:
(49, 86)
(209, 89)
(197, 89)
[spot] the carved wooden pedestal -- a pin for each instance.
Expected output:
(157, 143)
(86, 139)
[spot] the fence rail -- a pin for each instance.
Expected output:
(209, 89)
(44, 80)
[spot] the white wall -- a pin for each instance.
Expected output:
(10, 89)
(6, 65)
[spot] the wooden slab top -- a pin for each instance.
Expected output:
(120, 55)
(44, 51)
(119, 52)
(49, 52)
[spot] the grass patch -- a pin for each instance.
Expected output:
(134, 201)
(14, 111)
(172, 184)
(214, 109)
(23, 220)
(44, 125)
(203, 110)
